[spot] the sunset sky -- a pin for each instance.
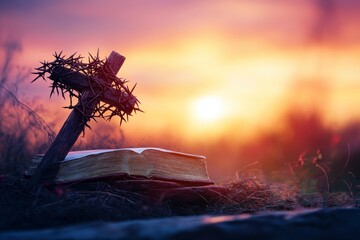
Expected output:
(204, 69)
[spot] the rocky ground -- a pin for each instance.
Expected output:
(325, 223)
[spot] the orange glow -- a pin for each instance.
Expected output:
(209, 74)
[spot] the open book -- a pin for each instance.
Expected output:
(155, 163)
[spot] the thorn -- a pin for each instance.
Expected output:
(133, 88)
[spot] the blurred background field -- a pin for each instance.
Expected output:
(260, 88)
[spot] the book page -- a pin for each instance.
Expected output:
(80, 154)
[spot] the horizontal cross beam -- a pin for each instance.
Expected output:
(80, 83)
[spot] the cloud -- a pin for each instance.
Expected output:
(247, 49)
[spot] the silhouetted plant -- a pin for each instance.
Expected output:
(22, 131)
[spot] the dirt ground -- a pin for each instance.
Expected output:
(129, 199)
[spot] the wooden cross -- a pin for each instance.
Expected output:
(80, 115)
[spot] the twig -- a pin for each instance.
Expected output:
(326, 176)
(350, 190)
(43, 123)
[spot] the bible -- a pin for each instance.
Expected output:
(152, 163)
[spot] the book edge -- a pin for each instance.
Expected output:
(76, 155)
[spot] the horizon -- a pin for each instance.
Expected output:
(209, 74)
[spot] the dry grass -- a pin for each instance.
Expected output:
(23, 132)
(108, 201)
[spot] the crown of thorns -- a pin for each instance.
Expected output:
(98, 75)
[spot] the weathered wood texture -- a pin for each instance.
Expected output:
(78, 82)
(74, 124)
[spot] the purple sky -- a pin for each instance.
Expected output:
(177, 51)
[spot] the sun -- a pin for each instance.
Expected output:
(208, 109)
